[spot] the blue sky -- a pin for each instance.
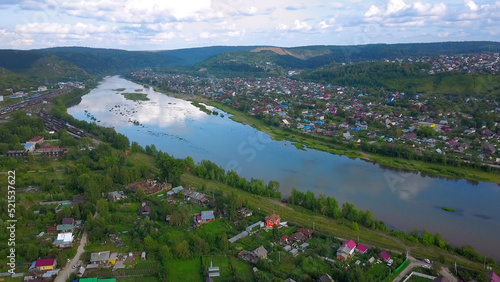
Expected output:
(167, 24)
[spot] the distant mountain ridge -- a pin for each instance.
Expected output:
(70, 62)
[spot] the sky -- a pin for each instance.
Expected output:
(175, 24)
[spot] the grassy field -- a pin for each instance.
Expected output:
(185, 270)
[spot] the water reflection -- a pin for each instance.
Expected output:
(405, 200)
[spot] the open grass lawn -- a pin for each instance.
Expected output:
(293, 216)
(215, 228)
(378, 272)
(242, 270)
(185, 270)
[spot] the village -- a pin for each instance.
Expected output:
(258, 239)
(398, 124)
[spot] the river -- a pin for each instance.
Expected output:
(405, 201)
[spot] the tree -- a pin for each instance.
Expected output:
(182, 250)
(427, 239)
(32, 252)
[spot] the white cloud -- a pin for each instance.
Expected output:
(148, 11)
(473, 6)
(443, 34)
(282, 27)
(249, 11)
(395, 6)
(57, 28)
(302, 26)
(373, 11)
(162, 37)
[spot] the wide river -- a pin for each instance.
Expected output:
(404, 201)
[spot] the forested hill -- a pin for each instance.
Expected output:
(310, 57)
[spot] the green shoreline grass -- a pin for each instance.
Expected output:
(448, 209)
(136, 96)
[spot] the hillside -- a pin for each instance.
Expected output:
(52, 68)
(310, 57)
(15, 81)
(406, 77)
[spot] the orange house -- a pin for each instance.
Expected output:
(272, 219)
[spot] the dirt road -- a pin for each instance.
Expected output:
(66, 272)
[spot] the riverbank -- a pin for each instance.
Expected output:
(338, 228)
(321, 144)
(325, 144)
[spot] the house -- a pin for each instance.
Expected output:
(294, 252)
(144, 210)
(45, 264)
(205, 217)
(17, 153)
(36, 140)
(63, 240)
(100, 257)
(346, 251)
(385, 256)
(287, 248)
(112, 258)
(53, 151)
(42, 88)
(68, 220)
(494, 277)
(298, 237)
(117, 195)
(64, 228)
(488, 149)
(176, 190)
(245, 212)
(306, 231)
(325, 278)
(197, 197)
(29, 147)
(284, 240)
(261, 252)
(272, 219)
(361, 249)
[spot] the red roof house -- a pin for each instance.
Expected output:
(272, 219)
(36, 140)
(45, 264)
(494, 277)
(362, 249)
(385, 256)
(351, 244)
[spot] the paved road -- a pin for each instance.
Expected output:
(66, 272)
(446, 274)
(414, 263)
